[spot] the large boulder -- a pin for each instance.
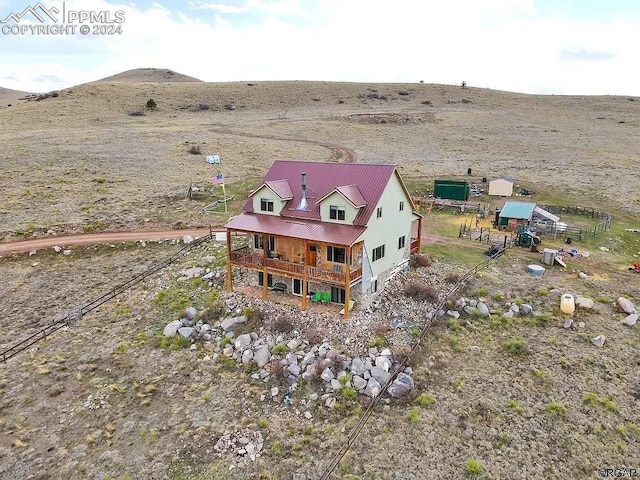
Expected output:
(380, 375)
(401, 385)
(187, 332)
(243, 341)
(625, 306)
(383, 362)
(630, 320)
(373, 388)
(191, 313)
(171, 329)
(229, 323)
(261, 356)
(358, 366)
(584, 302)
(483, 310)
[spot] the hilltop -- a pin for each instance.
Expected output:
(149, 75)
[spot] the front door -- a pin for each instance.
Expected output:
(311, 255)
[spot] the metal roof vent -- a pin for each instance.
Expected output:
(303, 199)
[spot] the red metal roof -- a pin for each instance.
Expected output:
(334, 233)
(351, 193)
(322, 178)
(280, 188)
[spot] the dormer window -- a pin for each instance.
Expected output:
(337, 213)
(266, 205)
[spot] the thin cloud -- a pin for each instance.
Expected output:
(499, 44)
(583, 55)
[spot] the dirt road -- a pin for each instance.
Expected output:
(95, 238)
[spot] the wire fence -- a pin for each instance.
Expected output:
(77, 313)
(423, 334)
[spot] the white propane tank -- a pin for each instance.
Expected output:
(567, 304)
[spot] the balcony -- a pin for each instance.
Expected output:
(243, 257)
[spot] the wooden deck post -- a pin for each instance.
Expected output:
(304, 276)
(265, 274)
(229, 267)
(347, 284)
(419, 234)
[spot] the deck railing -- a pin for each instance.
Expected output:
(415, 245)
(243, 258)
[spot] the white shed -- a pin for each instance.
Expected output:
(502, 186)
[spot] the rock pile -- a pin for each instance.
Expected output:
(291, 359)
(240, 442)
(624, 305)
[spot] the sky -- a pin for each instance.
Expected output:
(571, 47)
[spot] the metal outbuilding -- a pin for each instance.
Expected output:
(451, 190)
(502, 187)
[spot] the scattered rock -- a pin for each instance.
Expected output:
(229, 323)
(401, 385)
(373, 388)
(584, 302)
(582, 275)
(191, 313)
(483, 310)
(171, 329)
(568, 323)
(187, 239)
(630, 320)
(193, 272)
(262, 356)
(625, 306)
(598, 341)
(186, 332)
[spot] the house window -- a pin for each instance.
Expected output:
(337, 295)
(379, 212)
(401, 241)
(401, 205)
(261, 279)
(297, 287)
(374, 286)
(378, 253)
(336, 254)
(259, 244)
(336, 213)
(266, 205)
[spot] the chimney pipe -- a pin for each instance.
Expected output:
(303, 198)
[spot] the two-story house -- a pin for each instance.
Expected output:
(339, 229)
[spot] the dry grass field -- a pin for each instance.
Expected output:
(106, 399)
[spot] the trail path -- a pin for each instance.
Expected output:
(96, 238)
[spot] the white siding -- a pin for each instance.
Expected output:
(266, 192)
(339, 201)
(386, 230)
(501, 187)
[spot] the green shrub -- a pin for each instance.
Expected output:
(279, 349)
(556, 408)
(515, 346)
(473, 467)
(426, 400)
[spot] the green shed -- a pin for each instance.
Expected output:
(451, 189)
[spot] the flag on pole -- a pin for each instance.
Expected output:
(218, 180)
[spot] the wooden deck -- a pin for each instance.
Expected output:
(284, 268)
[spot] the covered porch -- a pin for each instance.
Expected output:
(304, 261)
